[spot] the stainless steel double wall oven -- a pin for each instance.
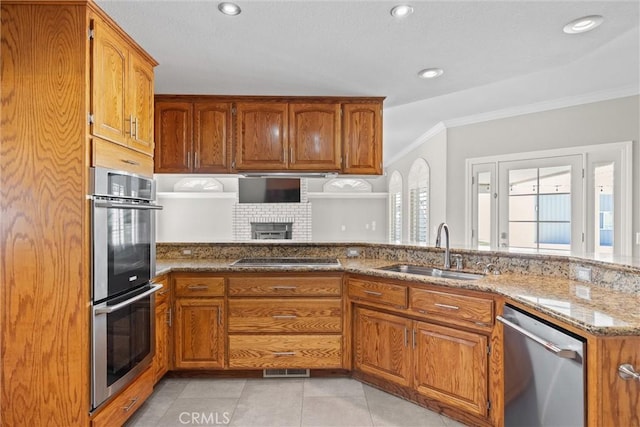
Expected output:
(123, 234)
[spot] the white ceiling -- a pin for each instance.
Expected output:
(497, 55)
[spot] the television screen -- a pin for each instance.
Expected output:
(269, 190)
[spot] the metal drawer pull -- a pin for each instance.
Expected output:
(283, 353)
(131, 162)
(169, 318)
(284, 288)
(163, 292)
(560, 352)
(130, 405)
(406, 337)
(374, 293)
(198, 287)
(626, 372)
(450, 307)
(284, 316)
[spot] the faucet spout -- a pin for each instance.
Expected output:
(447, 255)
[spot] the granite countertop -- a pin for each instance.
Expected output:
(591, 308)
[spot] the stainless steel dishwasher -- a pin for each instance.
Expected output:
(544, 373)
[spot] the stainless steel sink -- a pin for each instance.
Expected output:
(287, 262)
(433, 272)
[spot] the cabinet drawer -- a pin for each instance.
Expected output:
(460, 307)
(285, 286)
(123, 406)
(198, 286)
(380, 293)
(113, 156)
(285, 315)
(285, 351)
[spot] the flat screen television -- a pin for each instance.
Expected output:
(269, 190)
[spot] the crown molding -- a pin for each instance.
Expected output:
(538, 107)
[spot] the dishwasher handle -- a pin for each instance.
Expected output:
(560, 352)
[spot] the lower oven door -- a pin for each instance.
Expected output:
(123, 341)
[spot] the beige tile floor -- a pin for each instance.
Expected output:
(321, 402)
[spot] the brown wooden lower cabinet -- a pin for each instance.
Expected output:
(199, 333)
(381, 343)
(125, 404)
(441, 363)
(451, 366)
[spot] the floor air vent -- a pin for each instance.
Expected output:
(285, 373)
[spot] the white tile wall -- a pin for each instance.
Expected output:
(299, 214)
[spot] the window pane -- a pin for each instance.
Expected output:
(484, 209)
(523, 235)
(555, 235)
(603, 198)
(522, 208)
(555, 207)
(555, 180)
(523, 181)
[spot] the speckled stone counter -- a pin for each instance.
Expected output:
(595, 309)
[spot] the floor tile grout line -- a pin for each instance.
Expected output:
(366, 399)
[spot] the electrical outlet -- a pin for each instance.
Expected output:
(373, 226)
(186, 252)
(343, 228)
(583, 274)
(353, 252)
(638, 238)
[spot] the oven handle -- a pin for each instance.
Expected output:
(110, 309)
(126, 206)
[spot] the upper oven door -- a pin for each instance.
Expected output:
(123, 245)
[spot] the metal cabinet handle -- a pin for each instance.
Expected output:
(449, 307)
(284, 316)
(626, 372)
(198, 287)
(560, 352)
(284, 288)
(373, 293)
(283, 353)
(130, 405)
(292, 160)
(134, 127)
(130, 120)
(169, 317)
(130, 162)
(196, 160)
(219, 316)
(413, 337)
(406, 337)
(188, 159)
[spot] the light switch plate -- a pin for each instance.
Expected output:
(186, 252)
(583, 292)
(353, 252)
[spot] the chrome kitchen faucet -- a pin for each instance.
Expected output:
(447, 255)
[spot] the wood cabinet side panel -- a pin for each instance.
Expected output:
(44, 297)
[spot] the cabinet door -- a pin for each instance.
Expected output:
(362, 138)
(140, 99)
(451, 367)
(111, 120)
(262, 136)
(174, 132)
(382, 345)
(161, 358)
(199, 335)
(212, 136)
(314, 137)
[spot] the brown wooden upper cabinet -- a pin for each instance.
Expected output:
(362, 141)
(122, 91)
(192, 136)
(262, 136)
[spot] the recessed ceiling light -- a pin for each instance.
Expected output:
(430, 73)
(582, 25)
(401, 10)
(230, 9)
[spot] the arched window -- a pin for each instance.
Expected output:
(395, 207)
(419, 202)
